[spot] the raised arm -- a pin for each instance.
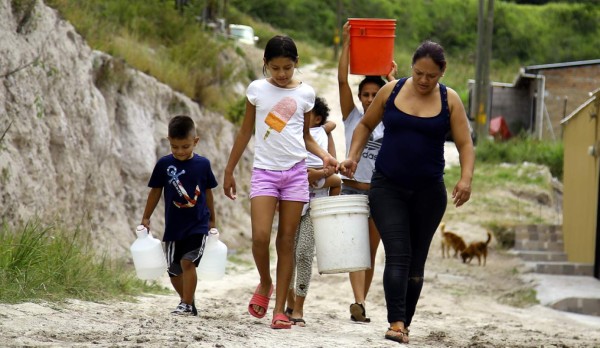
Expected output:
(346, 98)
(391, 76)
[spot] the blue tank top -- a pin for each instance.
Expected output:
(412, 152)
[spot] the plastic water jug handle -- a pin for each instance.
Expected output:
(141, 231)
(213, 232)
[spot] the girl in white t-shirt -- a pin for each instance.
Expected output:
(278, 113)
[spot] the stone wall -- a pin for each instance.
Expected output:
(85, 130)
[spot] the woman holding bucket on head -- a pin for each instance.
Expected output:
(278, 113)
(360, 182)
(408, 196)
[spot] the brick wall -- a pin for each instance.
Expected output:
(570, 84)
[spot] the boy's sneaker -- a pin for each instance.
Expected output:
(184, 309)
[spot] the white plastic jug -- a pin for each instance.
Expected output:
(148, 256)
(214, 259)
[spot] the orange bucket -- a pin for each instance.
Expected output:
(371, 45)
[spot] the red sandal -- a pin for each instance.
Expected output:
(259, 300)
(281, 321)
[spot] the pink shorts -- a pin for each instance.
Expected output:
(285, 185)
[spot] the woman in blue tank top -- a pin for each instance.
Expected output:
(408, 196)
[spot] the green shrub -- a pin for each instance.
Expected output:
(24, 11)
(554, 32)
(503, 233)
(110, 72)
(236, 111)
(43, 262)
(522, 297)
(523, 149)
(151, 36)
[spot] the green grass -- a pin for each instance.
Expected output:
(520, 298)
(151, 36)
(512, 185)
(523, 149)
(516, 162)
(489, 176)
(39, 262)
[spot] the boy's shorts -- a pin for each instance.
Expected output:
(285, 185)
(191, 248)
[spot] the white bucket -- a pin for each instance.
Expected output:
(341, 233)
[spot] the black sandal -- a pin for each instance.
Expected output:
(298, 321)
(400, 336)
(358, 313)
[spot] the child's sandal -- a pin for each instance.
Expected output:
(358, 313)
(398, 335)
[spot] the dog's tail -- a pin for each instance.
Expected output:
(489, 238)
(442, 227)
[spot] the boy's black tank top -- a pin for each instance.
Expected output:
(412, 152)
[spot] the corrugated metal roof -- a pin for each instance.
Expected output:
(532, 68)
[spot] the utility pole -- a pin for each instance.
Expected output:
(479, 106)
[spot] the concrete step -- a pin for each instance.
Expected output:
(539, 228)
(564, 268)
(534, 245)
(539, 232)
(539, 236)
(540, 255)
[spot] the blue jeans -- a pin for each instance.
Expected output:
(407, 221)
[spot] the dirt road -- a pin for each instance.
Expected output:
(461, 305)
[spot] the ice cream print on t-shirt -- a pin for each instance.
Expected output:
(279, 116)
(172, 172)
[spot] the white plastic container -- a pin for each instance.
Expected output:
(341, 233)
(148, 255)
(214, 259)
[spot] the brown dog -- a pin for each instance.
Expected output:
(451, 240)
(476, 249)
